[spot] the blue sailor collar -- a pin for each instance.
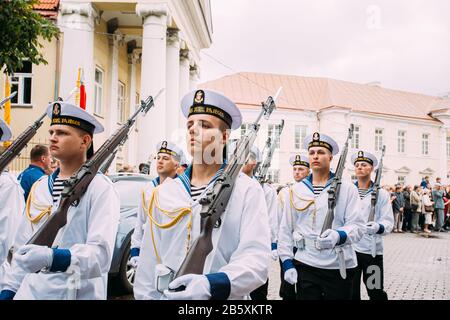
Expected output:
(187, 175)
(309, 179)
(157, 181)
(370, 188)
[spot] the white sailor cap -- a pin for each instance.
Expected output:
(5, 131)
(254, 151)
(299, 160)
(63, 113)
(365, 157)
(321, 140)
(212, 103)
(170, 149)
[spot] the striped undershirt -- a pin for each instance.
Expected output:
(197, 191)
(363, 192)
(318, 190)
(58, 187)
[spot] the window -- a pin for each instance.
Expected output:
(355, 138)
(21, 82)
(378, 139)
(448, 147)
(401, 179)
(121, 103)
(98, 91)
(401, 138)
(273, 175)
(274, 133)
(425, 144)
(300, 134)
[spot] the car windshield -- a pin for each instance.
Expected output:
(129, 191)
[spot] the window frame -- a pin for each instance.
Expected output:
(98, 109)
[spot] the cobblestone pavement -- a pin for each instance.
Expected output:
(415, 267)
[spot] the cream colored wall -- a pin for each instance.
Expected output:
(42, 92)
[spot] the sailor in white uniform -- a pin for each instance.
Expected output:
(168, 160)
(11, 207)
(270, 195)
(321, 260)
(300, 170)
(82, 251)
(371, 267)
(239, 261)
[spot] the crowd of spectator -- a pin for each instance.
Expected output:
(421, 208)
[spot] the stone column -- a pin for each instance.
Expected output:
(172, 81)
(153, 75)
(77, 21)
(194, 77)
(133, 59)
(184, 81)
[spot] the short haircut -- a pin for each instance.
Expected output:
(38, 151)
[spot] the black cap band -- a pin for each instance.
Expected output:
(1, 133)
(301, 163)
(321, 144)
(168, 151)
(364, 159)
(73, 122)
(211, 110)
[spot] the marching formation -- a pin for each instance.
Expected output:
(211, 231)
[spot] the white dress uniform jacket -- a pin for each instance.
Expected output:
(241, 243)
(305, 214)
(141, 218)
(383, 216)
(89, 234)
(11, 210)
(272, 208)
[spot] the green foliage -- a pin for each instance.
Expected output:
(20, 32)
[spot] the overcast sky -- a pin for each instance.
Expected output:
(404, 44)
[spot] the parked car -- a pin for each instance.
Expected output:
(129, 186)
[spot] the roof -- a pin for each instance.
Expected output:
(47, 8)
(248, 89)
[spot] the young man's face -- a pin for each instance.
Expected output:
(206, 138)
(67, 142)
(319, 158)
(363, 169)
(166, 165)
(299, 173)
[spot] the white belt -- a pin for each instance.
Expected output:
(302, 242)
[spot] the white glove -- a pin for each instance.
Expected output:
(327, 240)
(133, 262)
(274, 254)
(33, 258)
(291, 276)
(372, 227)
(197, 288)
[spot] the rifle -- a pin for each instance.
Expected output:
(333, 195)
(105, 165)
(261, 172)
(21, 142)
(76, 186)
(216, 199)
(12, 95)
(374, 198)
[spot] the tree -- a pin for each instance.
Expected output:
(20, 32)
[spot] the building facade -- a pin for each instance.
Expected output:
(415, 128)
(128, 50)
